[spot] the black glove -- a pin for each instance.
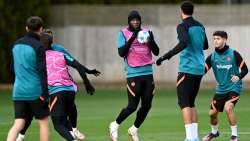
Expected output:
(94, 72)
(89, 88)
(151, 36)
(159, 61)
(134, 35)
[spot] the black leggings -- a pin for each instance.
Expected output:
(72, 118)
(63, 114)
(63, 126)
(138, 88)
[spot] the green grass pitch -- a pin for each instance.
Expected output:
(164, 122)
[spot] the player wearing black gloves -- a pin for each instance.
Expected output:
(47, 39)
(139, 73)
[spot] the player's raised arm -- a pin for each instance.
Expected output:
(124, 45)
(69, 57)
(182, 44)
(154, 47)
(88, 86)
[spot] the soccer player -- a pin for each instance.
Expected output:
(73, 114)
(229, 69)
(30, 85)
(62, 88)
(192, 42)
(139, 73)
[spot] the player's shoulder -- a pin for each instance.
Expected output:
(196, 22)
(121, 34)
(235, 52)
(191, 22)
(58, 47)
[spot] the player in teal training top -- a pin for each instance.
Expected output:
(192, 42)
(229, 69)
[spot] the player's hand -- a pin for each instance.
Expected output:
(45, 100)
(89, 88)
(135, 33)
(94, 72)
(159, 61)
(235, 78)
(151, 36)
(44, 96)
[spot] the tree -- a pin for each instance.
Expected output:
(13, 16)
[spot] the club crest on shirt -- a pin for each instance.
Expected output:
(132, 84)
(228, 59)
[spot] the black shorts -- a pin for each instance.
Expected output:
(140, 85)
(219, 101)
(36, 108)
(188, 86)
(61, 103)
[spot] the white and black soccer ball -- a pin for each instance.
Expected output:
(143, 37)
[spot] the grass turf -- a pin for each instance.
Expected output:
(164, 122)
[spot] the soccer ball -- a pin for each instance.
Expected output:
(142, 37)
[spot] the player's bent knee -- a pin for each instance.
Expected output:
(19, 124)
(131, 109)
(56, 125)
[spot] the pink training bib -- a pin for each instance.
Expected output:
(57, 70)
(138, 54)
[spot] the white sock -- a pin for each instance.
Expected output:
(115, 124)
(74, 129)
(188, 128)
(234, 130)
(21, 136)
(195, 130)
(133, 128)
(214, 129)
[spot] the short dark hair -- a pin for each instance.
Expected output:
(46, 39)
(222, 34)
(187, 7)
(34, 23)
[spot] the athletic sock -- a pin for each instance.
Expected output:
(214, 129)
(133, 128)
(195, 130)
(234, 130)
(188, 128)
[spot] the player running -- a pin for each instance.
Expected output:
(229, 69)
(192, 42)
(62, 88)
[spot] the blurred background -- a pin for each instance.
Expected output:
(88, 30)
